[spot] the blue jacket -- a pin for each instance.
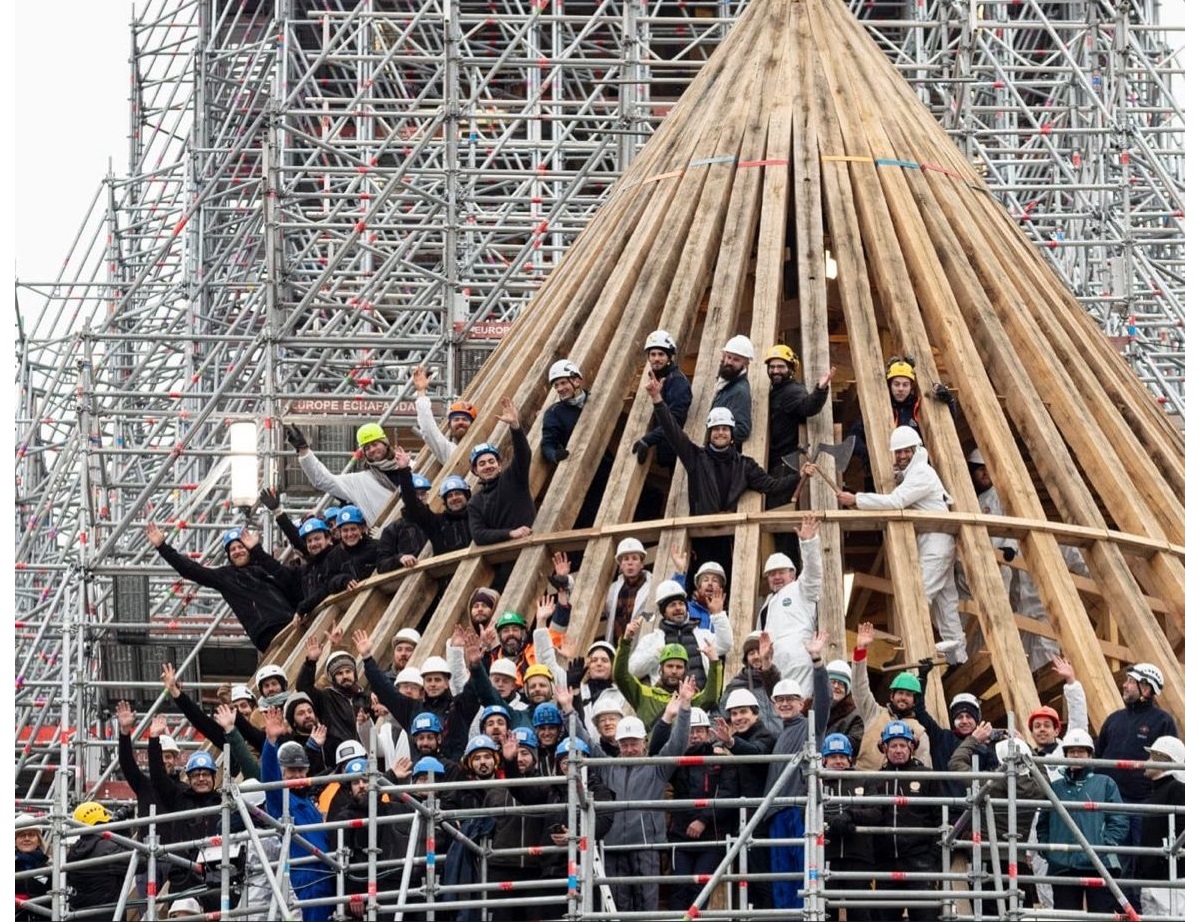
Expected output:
(558, 422)
(1099, 827)
(311, 881)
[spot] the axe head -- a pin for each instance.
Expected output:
(841, 453)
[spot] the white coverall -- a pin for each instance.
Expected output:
(790, 617)
(921, 488)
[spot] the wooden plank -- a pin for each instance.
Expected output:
(814, 313)
(857, 237)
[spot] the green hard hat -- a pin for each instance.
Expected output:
(370, 432)
(510, 617)
(673, 651)
(906, 681)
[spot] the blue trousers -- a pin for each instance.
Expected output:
(788, 823)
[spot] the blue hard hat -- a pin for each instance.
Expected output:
(230, 535)
(897, 729)
(452, 483)
(570, 743)
(311, 525)
(547, 715)
(355, 767)
(484, 448)
(837, 744)
(429, 764)
(491, 710)
(331, 513)
(351, 515)
(526, 737)
(421, 482)
(480, 742)
(202, 761)
(425, 722)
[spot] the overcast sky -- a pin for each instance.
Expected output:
(72, 119)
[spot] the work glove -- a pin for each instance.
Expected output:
(924, 667)
(1010, 554)
(942, 393)
(269, 498)
(642, 450)
(295, 437)
(840, 826)
(575, 671)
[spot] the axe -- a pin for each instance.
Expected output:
(841, 454)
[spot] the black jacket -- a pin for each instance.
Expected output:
(1125, 734)
(99, 885)
(316, 576)
(903, 850)
(401, 537)
(353, 563)
(735, 397)
(843, 841)
(677, 395)
(1166, 790)
(504, 503)
(30, 888)
(790, 405)
(262, 603)
(447, 531)
(748, 779)
(716, 479)
(335, 708)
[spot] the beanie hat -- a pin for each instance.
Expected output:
(483, 594)
(750, 644)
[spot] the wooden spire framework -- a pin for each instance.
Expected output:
(798, 143)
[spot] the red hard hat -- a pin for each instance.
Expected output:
(1044, 711)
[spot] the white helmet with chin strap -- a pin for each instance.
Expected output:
(564, 368)
(720, 416)
(904, 437)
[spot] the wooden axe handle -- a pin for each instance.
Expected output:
(939, 659)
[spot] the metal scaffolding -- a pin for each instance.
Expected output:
(321, 193)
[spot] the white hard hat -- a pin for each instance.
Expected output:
(667, 590)
(786, 687)
(660, 339)
(609, 701)
(629, 546)
(1148, 673)
(976, 457)
(839, 670)
(713, 567)
(241, 693)
(740, 345)
(1078, 737)
(602, 645)
(168, 744)
(741, 698)
(504, 666)
(904, 437)
(778, 561)
(700, 718)
(434, 664)
(410, 674)
(631, 728)
(347, 750)
(1012, 746)
(564, 368)
(407, 633)
(185, 907)
(720, 416)
(1170, 746)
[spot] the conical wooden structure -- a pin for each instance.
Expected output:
(799, 138)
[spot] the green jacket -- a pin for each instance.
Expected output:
(649, 701)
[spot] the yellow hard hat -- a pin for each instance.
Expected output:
(370, 432)
(782, 353)
(901, 370)
(91, 813)
(539, 669)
